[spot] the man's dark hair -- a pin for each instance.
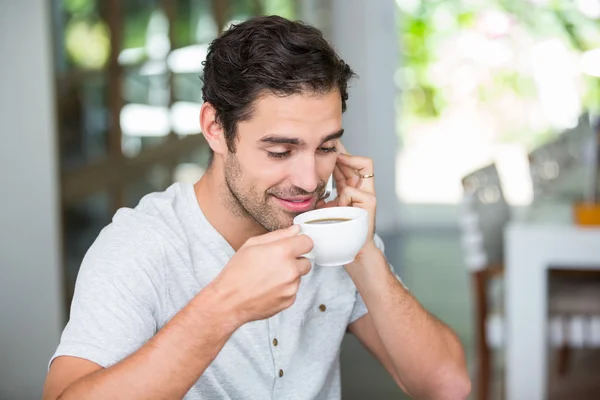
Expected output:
(268, 55)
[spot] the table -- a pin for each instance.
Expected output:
(546, 237)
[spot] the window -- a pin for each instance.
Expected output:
(128, 96)
(485, 81)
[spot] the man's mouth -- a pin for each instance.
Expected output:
(297, 204)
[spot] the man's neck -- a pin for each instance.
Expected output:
(213, 195)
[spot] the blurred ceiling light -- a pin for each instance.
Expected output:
(154, 67)
(206, 29)
(188, 173)
(187, 59)
(589, 8)
(185, 117)
(590, 62)
(409, 6)
(145, 121)
(132, 56)
(157, 36)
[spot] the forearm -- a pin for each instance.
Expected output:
(425, 353)
(168, 364)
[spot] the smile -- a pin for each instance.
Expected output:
(297, 205)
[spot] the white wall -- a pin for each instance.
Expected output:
(30, 305)
(364, 33)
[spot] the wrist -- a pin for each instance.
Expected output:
(365, 257)
(217, 309)
(368, 250)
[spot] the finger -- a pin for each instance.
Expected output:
(341, 148)
(338, 175)
(304, 266)
(343, 172)
(361, 166)
(351, 196)
(296, 246)
(356, 163)
(352, 174)
(344, 176)
(273, 236)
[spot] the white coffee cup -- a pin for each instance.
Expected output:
(338, 234)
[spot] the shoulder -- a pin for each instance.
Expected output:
(150, 225)
(137, 239)
(127, 257)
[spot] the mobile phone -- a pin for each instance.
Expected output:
(328, 188)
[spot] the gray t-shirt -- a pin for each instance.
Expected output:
(152, 260)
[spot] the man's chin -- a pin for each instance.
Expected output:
(282, 216)
(284, 219)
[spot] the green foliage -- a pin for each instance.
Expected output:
(284, 8)
(78, 6)
(136, 23)
(426, 25)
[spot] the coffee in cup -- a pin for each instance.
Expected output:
(338, 233)
(327, 220)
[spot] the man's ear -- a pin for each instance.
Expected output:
(212, 130)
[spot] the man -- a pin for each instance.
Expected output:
(200, 292)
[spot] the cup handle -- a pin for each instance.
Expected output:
(310, 255)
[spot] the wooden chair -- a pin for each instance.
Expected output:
(484, 216)
(551, 162)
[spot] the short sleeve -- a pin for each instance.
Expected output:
(360, 308)
(118, 299)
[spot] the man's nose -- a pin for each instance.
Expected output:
(304, 175)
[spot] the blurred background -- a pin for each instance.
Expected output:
(477, 114)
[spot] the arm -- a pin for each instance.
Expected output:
(421, 353)
(165, 367)
(260, 280)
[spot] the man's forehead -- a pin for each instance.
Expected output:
(294, 106)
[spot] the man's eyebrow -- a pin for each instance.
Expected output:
(277, 139)
(333, 136)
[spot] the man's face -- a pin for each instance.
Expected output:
(284, 156)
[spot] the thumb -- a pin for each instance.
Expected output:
(273, 236)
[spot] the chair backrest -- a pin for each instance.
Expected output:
(484, 214)
(551, 161)
(578, 137)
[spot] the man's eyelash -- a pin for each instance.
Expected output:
(328, 149)
(278, 155)
(287, 153)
